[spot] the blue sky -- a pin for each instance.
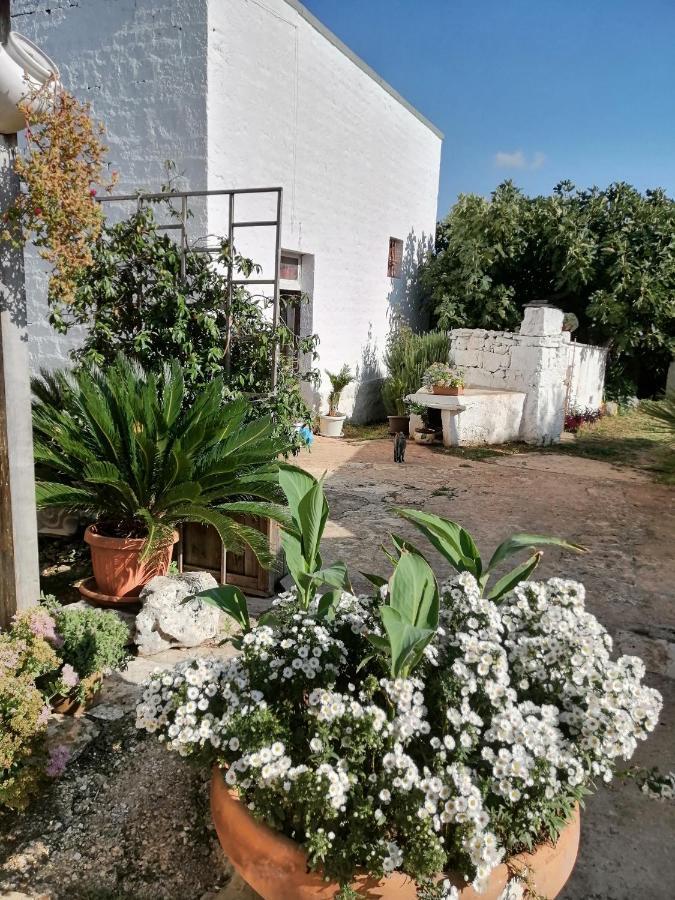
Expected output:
(534, 90)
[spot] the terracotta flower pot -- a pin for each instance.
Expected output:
(399, 423)
(276, 867)
(72, 705)
(447, 391)
(118, 569)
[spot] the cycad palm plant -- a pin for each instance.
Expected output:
(123, 446)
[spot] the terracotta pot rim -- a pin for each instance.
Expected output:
(276, 839)
(94, 539)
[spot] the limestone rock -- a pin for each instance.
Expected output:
(165, 621)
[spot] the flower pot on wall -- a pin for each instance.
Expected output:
(331, 426)
(399, 423)
(23, 69)
(447, 391)
(276, 867)
(117, 565)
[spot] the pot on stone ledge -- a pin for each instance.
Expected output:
(116, 562)
(276, 867)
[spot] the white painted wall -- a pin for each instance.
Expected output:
(142, 66)
(287, 107)
(248, 93)
(586, 366)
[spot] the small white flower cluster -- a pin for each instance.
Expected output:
(307, 651)
(393, 857)
(408, 698)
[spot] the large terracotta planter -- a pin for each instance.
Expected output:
(447, 391)
(276, 867)
(116, 563)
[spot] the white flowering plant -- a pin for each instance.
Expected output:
(426, 729)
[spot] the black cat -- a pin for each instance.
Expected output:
(399, 447)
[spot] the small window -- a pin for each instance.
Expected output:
(395, 258)
(290, 267)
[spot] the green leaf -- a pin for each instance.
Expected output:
(514, 577)
(327, 604)
(336, 575)
(405, 640)
(377, 580)
(523, 541)
(449, 538)
(228, 599)
(312, 515)
(413, 592)
(295, 483)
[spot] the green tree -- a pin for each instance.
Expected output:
(134, 299)
(608, 256)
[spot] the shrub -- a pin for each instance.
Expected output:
(576, 417)
(136, 299)
(123, 446)
(407, 356)
(25, 658)
(91, 640)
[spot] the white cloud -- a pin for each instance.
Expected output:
(518, 160)
(514, 160)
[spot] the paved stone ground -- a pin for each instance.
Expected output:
(130, 822)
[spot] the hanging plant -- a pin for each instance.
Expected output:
(61, 170)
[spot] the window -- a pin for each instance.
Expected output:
(395, 258)
(289, 269)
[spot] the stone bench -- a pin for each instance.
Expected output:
(478, 416)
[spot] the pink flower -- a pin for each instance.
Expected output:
(43, 626)
(43, 718)
(38, 210)
(58, 760)
(92, 192)
(69, 676)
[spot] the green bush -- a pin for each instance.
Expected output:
(407, 357)
(94, 640)
(136, 299)
(26, 657)
(605, 255)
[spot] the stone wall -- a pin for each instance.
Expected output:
(533, 361)
(586, 366)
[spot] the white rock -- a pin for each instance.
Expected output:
(165, 621)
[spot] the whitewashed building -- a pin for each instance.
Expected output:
(255, 93)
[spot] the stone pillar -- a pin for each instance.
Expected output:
(19, 569)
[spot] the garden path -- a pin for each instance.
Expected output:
(129, 822)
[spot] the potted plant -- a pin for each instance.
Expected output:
(331, 424)
(123, 447)
(444, 379)
(431, 741)
(426, 434)
(90, 643)
(406, 357)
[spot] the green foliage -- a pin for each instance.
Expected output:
(459, 548)
(229, 600)
(124, 446)
(662, 414)
(25, 657)
(407, 357)
(301, 538)
(338, 381)
(135, 299)
(608, 256)
(410, 617)
(94, 640)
